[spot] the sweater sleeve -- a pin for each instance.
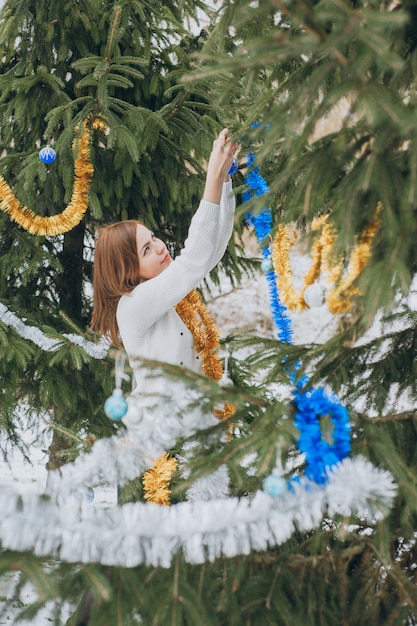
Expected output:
(227, 204)
(208, 236)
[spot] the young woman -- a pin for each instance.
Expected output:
(137, 284)
(136, 287)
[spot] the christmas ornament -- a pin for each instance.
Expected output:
(274, 485)
(314, 295)
(266, 265)
(115, 407)
(86, 494)
(262, 224)
(282, 266)
(200, 323)
(89, 494)
(320, 454)
(49, 344)
(340, 298)
(156, 480)
(74, 212)
(47, 155)
(196, 531)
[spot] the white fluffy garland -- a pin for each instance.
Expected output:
(151, 534)
(74, 530)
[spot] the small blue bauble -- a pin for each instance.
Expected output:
(47, 155)
(266, 265)
(275, 485)
(234, 167)
(115, 406)
(89, 494)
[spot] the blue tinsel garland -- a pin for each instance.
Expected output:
(310, 403)
(320, 454)
(262, 224)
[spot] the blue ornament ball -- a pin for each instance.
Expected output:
(47, 155)
(234, 167)
(89, 494)
(115, 406)
(266, 265)
(275, 485)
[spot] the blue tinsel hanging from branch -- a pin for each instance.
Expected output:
(310, 403)
(262, 224)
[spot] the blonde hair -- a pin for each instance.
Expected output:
(116, 272)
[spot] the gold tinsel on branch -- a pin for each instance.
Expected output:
(76, 209)
(199, 322)
(340, 298)
(156, 480)
(282, 266)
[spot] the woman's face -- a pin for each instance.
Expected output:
(153, 255)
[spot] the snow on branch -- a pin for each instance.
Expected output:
(48, 344)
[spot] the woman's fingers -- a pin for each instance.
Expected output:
(221, 138)
(225, 142)
(233, 147)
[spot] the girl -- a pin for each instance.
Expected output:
(137, 284)
(136, 287)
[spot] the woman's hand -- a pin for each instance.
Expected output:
(218, 167)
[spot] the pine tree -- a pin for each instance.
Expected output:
(274, 70)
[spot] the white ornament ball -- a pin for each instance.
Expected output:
(115, 406)
(314, 295)
(266, 265)
(275, 485)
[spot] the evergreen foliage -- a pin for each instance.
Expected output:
(302, 63)
(287, 64)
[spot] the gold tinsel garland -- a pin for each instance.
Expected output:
(281, 262)
(340, 298)
(156, 480)
(200, 323)
(75, 211)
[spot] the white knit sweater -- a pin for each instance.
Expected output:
(149, 326)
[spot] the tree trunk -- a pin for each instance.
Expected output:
(71, 283)
(58, 445)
